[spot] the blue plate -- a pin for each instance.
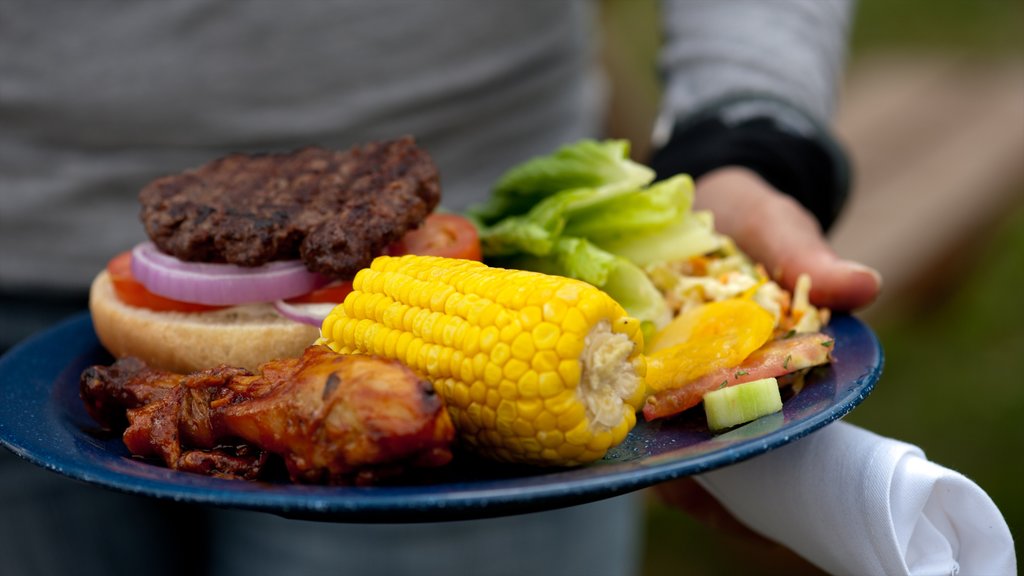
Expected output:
(43, 420)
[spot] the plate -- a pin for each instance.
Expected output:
(43, 420)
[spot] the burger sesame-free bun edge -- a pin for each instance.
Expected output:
(242, 336)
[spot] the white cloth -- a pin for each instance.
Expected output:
(853, 502)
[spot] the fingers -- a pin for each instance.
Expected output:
(775, 230)
(835, 283)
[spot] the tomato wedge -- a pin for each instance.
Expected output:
(442, 234)
(134, 293)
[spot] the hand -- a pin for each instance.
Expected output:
(777, 231)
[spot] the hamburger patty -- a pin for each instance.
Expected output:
(334, 210)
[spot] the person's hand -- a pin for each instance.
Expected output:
(774, 229)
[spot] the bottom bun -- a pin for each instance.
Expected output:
(244, 336)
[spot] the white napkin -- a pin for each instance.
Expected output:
(853, 502)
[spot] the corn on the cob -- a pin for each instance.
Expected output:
(534, 368)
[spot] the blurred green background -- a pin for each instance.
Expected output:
(953, 333)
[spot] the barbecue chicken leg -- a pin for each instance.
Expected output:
(331, 418)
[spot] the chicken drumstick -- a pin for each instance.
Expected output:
(332, 418)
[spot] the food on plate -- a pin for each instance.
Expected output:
(329, 418)
(587, 211)
(705, 339)
(729, 406)
(788, 356)
(547, 370)
(332, 210)
(538, 356)
(248, 252)
(182, 341)
(534, 368)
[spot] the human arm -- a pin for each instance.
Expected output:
(750, 87)
(749, 91)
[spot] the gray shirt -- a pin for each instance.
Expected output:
(97, 98)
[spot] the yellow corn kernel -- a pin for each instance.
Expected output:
(458, 393)
(530, 409)
(571, 417)
(477, 392)
(492, 398)
(550, 438)
(579, 434)
(554, 311)
(531, 447)
(530, 317)
(550, 384)
(545, 335)
(515, 369)
(546, 421)
(600, 442)
(570, 371)
(533, 368)
(545, 361)
(501, 353)
(570, 452)
(507, 389)
(529, 384)
(522, 346)
(492, 374)
(575, 322)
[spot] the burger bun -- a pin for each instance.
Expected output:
(243, 336)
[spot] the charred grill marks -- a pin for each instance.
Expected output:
(334, 210)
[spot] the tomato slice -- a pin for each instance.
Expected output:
(442, 234)
(134, 293)
(333, 292)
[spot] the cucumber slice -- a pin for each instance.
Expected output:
(727, 407)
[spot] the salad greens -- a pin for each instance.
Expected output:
(589, 212)
(602, 167)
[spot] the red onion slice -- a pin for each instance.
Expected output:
(220, 284)
(312, 314)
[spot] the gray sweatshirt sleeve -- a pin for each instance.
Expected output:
(786, 50)
(753, 83)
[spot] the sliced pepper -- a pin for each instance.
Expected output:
(704, 339)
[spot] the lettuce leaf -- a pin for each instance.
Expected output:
(656, 206)
(588, 164)
(589, 212)
(691, 235)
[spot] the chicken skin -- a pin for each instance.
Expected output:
(331, 418)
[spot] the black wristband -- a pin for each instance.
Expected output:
(803, 162)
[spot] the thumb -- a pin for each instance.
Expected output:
(775, 230)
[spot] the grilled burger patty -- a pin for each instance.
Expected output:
(334, 210)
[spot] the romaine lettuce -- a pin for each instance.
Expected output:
(589, 212)
(590, 164)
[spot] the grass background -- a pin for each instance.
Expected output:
(954, 377)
